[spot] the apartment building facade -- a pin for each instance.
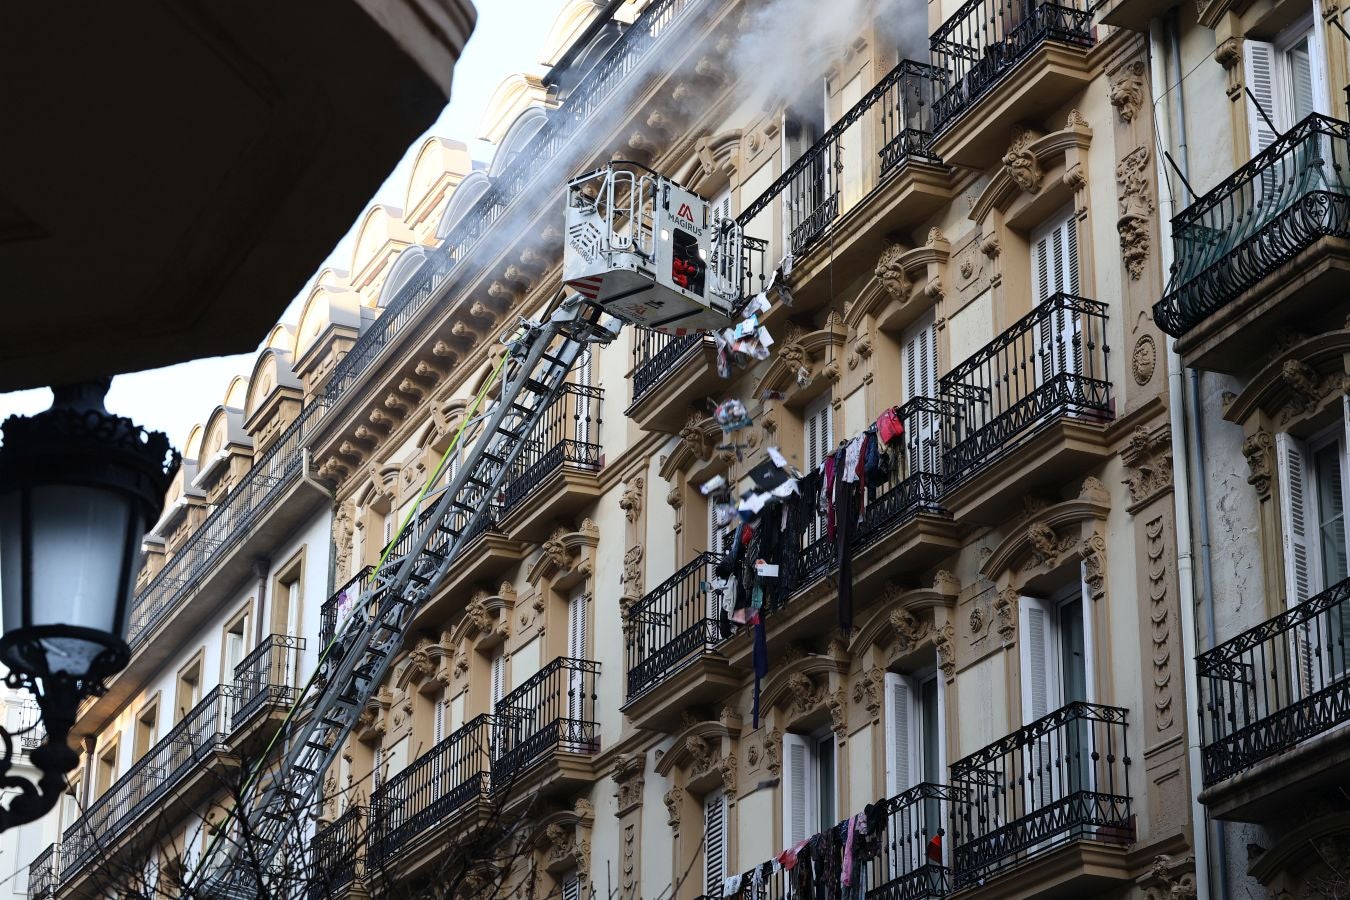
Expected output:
(1257, 305)
(973, 236)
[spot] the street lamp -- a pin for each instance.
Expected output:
(78, 489)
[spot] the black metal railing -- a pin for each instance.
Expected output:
(25, 720)
(909, 862)
(335, 854)
(1063, 778)
(891, 124)
(1050, 364)
(436, 784)
(656, 355)
(986, 39)
(1259, 218)
(267, 676)
(280, 466)
(554, 709)
(336, 607)
(1276, 685)
(913, 484)
(203, 729)
(674, 623)
(567, 435)
(43, 876)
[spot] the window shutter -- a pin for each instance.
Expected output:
(1289, 455)
(1258, 70)
(920, 346)
(583, 404)
(901, 734)
(1037, 651)
(819, 433)
(714, 842)
(797, 789)
(498, 683)
(438, 723)
(377, 772)
(571, 887)
(576, 626)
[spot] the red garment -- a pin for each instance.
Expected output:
(890, 427)
(935, 849)
(788, 858)
(829, 494)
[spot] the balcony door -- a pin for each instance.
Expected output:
(576, 678)
(914, 754)
(922, 430)
(714, 842)
(818, 440)
(583, 405)
(1054, 270)
(808, 785)
(720, 535)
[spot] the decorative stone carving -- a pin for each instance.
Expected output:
(1093, 551)
(1136, 204)
(909, 629)
(1169, 879)
(1005, 610)
(945, 582)
(631, 577)
(1160, 622)
(1046, 546)
(1021, 162)
(1306, 389)
(1144, 359)
(1128, 91)
(935, 237)
(1259, 449)
(773, 752)
(729, 767)
(838, 706)
(673, 799)
(946, 651)
(343, 530)
(868, 690)
(803, 691)
(976, 619)
(631, 499)
(1148, 463)
(692, 436)
(1094, 491)
(627, 774)
(891, 273)
(701, 754)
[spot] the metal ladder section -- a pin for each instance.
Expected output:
(355, 664)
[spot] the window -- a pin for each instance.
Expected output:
(70, 805)
(914, 753)
(808, 786)
(189, 692)
(105, 769)
(818, 440)
(1286, 78)
(922, 433)
(576, 649)
(714, 842)
(1054, 256)
(236, 642)
(147, 729)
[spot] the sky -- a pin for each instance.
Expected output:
(508, 38)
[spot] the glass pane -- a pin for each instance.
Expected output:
(1300, 80)
(1330, 513)
(932, 761)
(1073, 661)
(825, 782)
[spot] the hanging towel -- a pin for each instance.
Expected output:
(731, 886)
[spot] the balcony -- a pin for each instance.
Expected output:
(912, 862)
(872, 173)
(982, 45)
(671, 635)
(336, 607)
(1274, 703)
(1267, 245)
(1057, 786)
(548, 724)
(556, 473)
(335, 854)
(419, 799)
(1032, 407)
(183, 769)
(43, 874)
(670, 374)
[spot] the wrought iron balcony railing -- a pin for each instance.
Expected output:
(1050, 364)
(554, 709)
(891, 124)
(203, 729)
(1061, 779)
(914, 485)
(912, 863)
(43, 874)
(266, 677)
(279, 467)
(1288, 196)
(335, 854)
(336, 607)
(436, 784)
(1276, 685)
(568, 435)
(986, 39)
(25, 719)
(673, 624)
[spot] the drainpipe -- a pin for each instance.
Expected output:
(1181, 481)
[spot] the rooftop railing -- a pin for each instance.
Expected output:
(436, 784)
(1275, 686)
(1063, 778)
(1256, 220)
(553, 709)
(984, 40)
(1050, 364)
(673, 624)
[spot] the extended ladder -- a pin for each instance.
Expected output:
(273, 805)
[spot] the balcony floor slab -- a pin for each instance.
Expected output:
(703, 679)
(666, 405)
(562, 493)
(1080, 869)
(1273, 787)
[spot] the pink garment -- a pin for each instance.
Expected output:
(890, 427)
(829, 494)
(846, 876)
(788, 858)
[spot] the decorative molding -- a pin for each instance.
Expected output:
(1160, 621)
(1005, 609)
(1170, 879)
(946, 651)
(1020, 161)
(1128, 91)
(869, 690)
(1136, 206)
(630, 501)
(674, 799)
(627, 774)
(890, 272)
(1259, 449)
(1148, 463)
(1093, 551)
(1144, 359)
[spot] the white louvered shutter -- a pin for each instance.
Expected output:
(571, 887)
(1258, 70)
(818, 432)
(438, 722)
(1054, 264)
(714, 842)
(902, 734)
(1040, 695)
(583, 404)
(576, 649)
(498, 682)
(922, 439)
(798, 790)
(377, 773)
(1290, 458)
